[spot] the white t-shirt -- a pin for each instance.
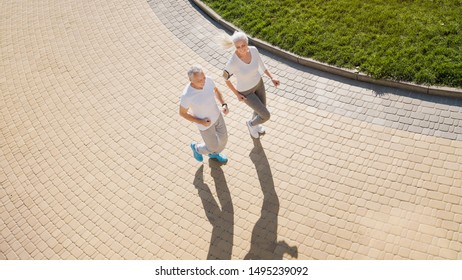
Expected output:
(247, 75)
(201, 102)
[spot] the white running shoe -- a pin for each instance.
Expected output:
(252, 130)
(260, 129)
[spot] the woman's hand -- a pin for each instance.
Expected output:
(276, 82)
(240, 97)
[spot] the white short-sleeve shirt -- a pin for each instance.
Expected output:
(201, 102)
(247, 75)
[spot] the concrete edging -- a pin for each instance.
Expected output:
(433, 90)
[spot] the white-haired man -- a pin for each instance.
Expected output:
(198, 105)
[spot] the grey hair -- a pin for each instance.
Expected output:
(195, 69)
(229, 41)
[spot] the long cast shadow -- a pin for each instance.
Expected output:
(222, 219)
(264, 243)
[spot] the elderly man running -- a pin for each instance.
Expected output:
(198, 105)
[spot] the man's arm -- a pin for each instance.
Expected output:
(220, 99)
(185, 114)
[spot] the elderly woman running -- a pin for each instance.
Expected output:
(247, 66)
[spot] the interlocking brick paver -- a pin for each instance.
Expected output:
(92, 149)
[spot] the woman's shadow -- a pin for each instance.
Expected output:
(264, 244)
(222, 219)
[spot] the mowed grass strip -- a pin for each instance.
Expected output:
(416, 41)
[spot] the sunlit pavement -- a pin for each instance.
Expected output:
(95, 160)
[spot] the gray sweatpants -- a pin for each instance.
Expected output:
(215, 138)
(256, 99)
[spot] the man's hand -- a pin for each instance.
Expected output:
(205, 122)
(225, 109)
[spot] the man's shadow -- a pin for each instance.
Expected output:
(264, 244)
(222, 219)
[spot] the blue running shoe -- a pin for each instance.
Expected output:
(220, 157)
(196, 154)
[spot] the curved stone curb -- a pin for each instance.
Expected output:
(433, 90)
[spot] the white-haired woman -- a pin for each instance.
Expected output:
(247, 67)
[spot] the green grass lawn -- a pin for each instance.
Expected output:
(417, 41)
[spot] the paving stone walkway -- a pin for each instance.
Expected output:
(95, 162)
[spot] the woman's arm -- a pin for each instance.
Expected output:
(265, 70)
(274, 80)
(230, 85)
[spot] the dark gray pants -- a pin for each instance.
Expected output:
(256, 99)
